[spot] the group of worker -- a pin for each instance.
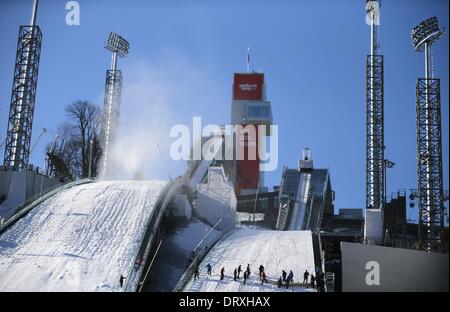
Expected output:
(285, 278)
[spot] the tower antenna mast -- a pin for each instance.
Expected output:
(248, 60)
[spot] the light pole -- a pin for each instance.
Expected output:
(373, 228)
(429, 140)
(113, 92)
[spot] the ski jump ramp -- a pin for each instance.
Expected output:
(81, 239)
(299, 210)
(202, 168)
(275, 250)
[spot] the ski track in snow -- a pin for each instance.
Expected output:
(81, 239)
(275, 250)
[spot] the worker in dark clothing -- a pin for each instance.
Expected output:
(305, 277)
(208, 268)
(284, 274)
(245, 276)
(196, 274)
(280, 282)
(235, 274)
(138, 263)
(263, 278)
(313, 281)
(239, 270)
(121, 280)
(320, 283)
(248, 270)
(261, 269)
(290, 276)
(222, 273)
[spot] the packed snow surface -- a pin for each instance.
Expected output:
(275, 250)
(81, 239)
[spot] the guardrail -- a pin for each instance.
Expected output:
(141, 284)
(37, 199)
(187, 275)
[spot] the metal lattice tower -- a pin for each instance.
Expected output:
(20, 121)
(111, 109)
(374, 115)
(429, 141)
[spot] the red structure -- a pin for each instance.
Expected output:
(249, 108)
(248, 87)
(247, 169)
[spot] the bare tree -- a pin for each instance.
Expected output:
(76, 138)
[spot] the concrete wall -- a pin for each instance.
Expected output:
(375, 268)
(373, 225)
(17, 187)
(5, 178)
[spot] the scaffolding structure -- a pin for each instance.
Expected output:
(429, 142)
(20, 120)
(375, 162)
(374, 132)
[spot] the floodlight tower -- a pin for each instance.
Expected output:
(429, 141)
(113, 91)
(20, 121)
(374, 125)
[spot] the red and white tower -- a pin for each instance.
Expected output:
(249, 110)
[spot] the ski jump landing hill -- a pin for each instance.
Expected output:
(275, 250)
(84, 237)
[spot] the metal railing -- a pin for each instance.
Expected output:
(141, 284)
(37, 199)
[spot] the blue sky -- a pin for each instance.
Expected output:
(183, 55)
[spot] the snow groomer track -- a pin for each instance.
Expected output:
(81, 239)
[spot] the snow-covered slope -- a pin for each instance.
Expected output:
(81, 239)
(275, 250)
